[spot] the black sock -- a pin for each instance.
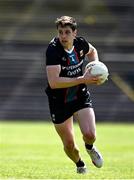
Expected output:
(88, 146)
(80, 163)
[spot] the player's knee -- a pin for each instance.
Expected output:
(89, 136)
(69, 145)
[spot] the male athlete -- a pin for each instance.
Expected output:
(67, 91)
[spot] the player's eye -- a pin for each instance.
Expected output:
(60, 32)
(67, 32)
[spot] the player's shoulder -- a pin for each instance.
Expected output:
(53, 46)
(53, 43)
(81, 42)
(80, 39)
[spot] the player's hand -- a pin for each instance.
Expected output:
(90, 79)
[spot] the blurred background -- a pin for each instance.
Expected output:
(27, 26)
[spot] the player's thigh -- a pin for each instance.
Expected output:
(86, 120)
(66, 131)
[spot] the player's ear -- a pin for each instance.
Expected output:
(75, 32)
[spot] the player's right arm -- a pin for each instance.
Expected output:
(55, 81)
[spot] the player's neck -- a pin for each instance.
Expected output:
(69, 50)
(69, 46)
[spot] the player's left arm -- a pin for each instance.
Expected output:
(92, 54)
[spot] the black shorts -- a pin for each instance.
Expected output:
(62, 111)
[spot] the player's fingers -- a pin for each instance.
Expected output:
(94, 79)
(98, 76)
(89, 70)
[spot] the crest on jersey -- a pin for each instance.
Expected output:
(63, 58)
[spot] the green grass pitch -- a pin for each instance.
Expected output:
(31, 150)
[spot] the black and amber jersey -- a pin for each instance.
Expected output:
(71, 66)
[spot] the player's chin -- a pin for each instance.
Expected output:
(64, 43)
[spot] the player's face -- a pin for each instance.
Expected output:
(66, 36)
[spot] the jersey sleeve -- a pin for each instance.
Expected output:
(52, 57)
(85, 45)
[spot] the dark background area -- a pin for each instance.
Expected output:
(27, 26)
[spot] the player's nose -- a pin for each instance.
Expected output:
(63, 35)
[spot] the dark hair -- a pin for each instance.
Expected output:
(66, 21)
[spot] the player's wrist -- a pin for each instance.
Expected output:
(80, 80)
